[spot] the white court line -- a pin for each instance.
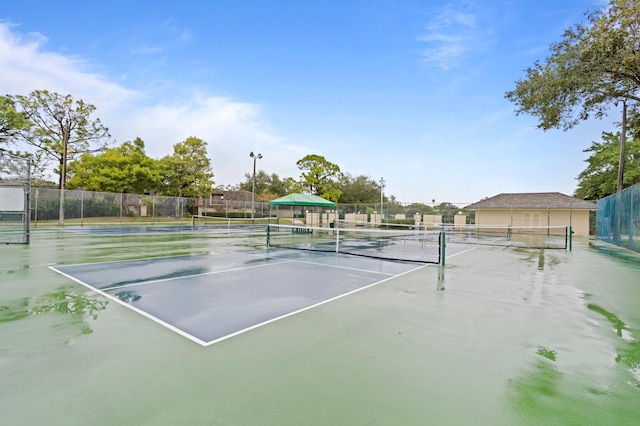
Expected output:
(306, 308)
(138, 259)
(345, 267)
(344, 256)
(141, 312)
(460, 252)
(194, 275)
(202, 342)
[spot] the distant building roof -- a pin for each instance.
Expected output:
(232, 195)
(532, 200)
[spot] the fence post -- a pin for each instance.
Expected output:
(633, 242)
(630, 227)
(27, 205)
(81, 207)
(35, 218)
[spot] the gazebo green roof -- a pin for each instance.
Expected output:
(302, 200)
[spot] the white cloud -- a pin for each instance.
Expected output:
(453, 33)
(232, 129)
(26, 66)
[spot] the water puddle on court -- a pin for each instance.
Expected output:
(585, 358)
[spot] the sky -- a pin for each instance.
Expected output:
(408, 91)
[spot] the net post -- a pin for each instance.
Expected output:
(570, 232)
(443, 244)
(268, 229)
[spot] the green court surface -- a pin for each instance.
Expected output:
(500, 336)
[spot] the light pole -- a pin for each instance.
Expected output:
(381, 200)
(253, 191)
(65, 124)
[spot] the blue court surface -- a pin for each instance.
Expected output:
(211, 297)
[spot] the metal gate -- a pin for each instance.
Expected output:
(15, 190)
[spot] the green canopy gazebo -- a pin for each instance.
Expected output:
(303, 201)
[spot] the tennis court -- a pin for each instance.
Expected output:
(501, 335)
(210, 297)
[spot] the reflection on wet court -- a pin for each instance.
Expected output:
(500, 335)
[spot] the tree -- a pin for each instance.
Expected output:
(447, 210)
(268, 187)
(11, 121)
(420, 208)
(122, 169)
(599, 178)
(292, 186)
(53, 119)
(262, 182)
(320, 177)
(593, 67)
(358, 190)
(278, 187)
(229, 187)
(188, 170)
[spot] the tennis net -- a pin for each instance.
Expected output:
(342, 223)
(230, 223)
(544, 237)
(406, 245)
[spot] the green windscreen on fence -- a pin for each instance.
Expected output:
(618, 218)
(15, 184)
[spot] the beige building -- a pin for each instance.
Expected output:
(534, 209)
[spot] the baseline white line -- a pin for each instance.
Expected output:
(204, 253)
(307, 308)
(127, 305)
(193, 275)
(344, 267)
(465, 251)
(137, 259)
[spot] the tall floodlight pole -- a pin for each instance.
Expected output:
(253, 191)
(381, 199)
(60, 115)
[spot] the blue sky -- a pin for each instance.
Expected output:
(411, 91)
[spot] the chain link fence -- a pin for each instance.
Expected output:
(618, 218)
(15, 186)
(88, 207)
